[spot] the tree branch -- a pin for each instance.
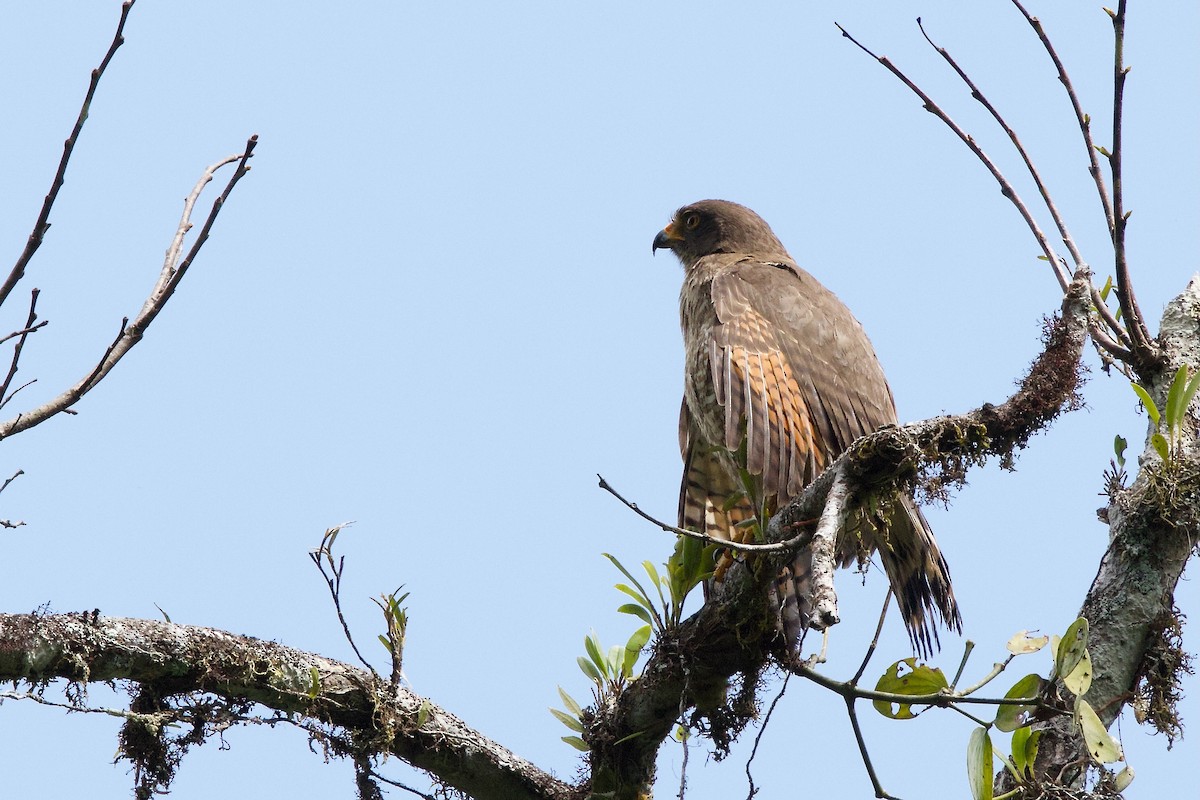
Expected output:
(132, 332)
(1153, 530)
(43, 224)
(87, 647)
(1100, 333)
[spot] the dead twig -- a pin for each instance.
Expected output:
(786, 545)
(132, 332)
(31, 325)
(43, 221)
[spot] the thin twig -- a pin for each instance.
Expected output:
(400, 785)
(42, 224)
(1085, 128)
(962, 665)
(29, 328)
(1084, 120)
(1099, 335)
(1060, 272)
(132, 332)
(932, 107)
(15, 475)
(887, 600)
(1129, 306)
(758, 737)
(23, 331)
(323, 556)
(786, 545)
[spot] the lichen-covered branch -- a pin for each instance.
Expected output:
(1154, 526)
(182, 659)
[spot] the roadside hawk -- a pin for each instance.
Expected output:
(779, 379)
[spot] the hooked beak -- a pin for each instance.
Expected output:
(666, 238)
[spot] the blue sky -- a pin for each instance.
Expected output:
(431, 308)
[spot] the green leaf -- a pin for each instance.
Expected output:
(1189, 393)
(645, 597)
(1010, 717)
(1020, 762)
(1120, 444)
(633, 735)
(566, 719)
(1100, 744)
(1174, 398)
(642, 600)
(1024, 751)
(916, 681)
(1160, 446)
(1123, 779)
(1072, 648)
(656, 580)
(636, 610)
(577, 743)
(1147, 403)
(314, 686)
(423, 713)
(979, 764)
(384, 640)
(570, 702)
(1079, 680)
(589, 669)
(1108, 285)
(615, 660)
(591, 644)
(633, 649)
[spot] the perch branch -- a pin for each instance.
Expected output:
(823, 549)
(733, 634)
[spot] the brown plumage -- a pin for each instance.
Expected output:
(777, 365)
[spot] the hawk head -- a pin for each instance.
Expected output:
(718, 226)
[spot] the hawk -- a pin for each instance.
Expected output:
(779, 379)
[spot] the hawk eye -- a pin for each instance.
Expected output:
(691, 221)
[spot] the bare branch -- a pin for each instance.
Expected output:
(29, 328)
(789, 545)
(43, 224)
(1143, 349)
(132, 332)
(323, 557)
(1101, 308)
(1101, 337)
(1085, 121)
(1006, 188)
(823, 548)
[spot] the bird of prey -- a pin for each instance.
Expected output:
(779, 379)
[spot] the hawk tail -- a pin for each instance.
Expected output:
(919, 577)
(917, 573)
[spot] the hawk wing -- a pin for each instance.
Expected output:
(797, 381)
(794, 371)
